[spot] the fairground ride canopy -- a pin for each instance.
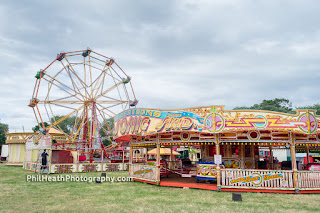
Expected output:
(203, 123)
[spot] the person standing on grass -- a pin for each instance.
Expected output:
(44, 159)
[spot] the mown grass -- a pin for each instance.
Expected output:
(18, 195)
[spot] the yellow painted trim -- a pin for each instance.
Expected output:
(308, 116)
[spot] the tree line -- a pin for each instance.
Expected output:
(279, 105)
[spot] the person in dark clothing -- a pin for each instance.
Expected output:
(44, 158)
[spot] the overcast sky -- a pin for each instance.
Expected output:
(178, 53)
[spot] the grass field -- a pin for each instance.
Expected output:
(18, 195)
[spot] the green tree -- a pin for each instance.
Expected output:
(36, 128)
(107, 138)
(65, 125)
(315, 107)
(277, 104)
(3, 129)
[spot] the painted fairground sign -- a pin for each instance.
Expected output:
(145, 172)
(207, 170)
(256, 178)
(212, 120)
(235, 163)
(63, 168)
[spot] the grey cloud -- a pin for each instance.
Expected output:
(179, 53)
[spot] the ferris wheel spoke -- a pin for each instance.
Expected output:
(35, 87)
(102, 71)
(98, 59)
(72, 81)
(50, 83)
(67, 135)
(49, 89)
(111, 102)
(126, 92)
(110, 98)
(83, 122)
(79, 63)
(58, 126)
(60, 87)
(84, 71)
(44, 127)
(55, 79)
(36, 116)
(60, 102)
(96, 82)
(65, 117)
(82, 82)
(83, 85)
(104, 119)
(54, 119)
(127, 95)
(103, 108)
(134, 95)
(76, 120)
(59, 105)
(45, 107)
(58, 73)
(118, 79)
(94, 62)
(91, 85)
(108, 107)
(76, 75)
(101, 83)
(64, 98)
(90, 72)
(114, 62)
(109, 90)
(117, 89)
(116, 72)
(105, 131)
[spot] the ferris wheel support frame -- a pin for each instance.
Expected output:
(95, 86)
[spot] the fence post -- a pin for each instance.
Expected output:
(130, 156)
(217, 142)
(158, 160)
(294, 163)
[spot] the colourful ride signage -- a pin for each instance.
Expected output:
(143, 171)
(256, 178)
(205, 120)
(207, 170)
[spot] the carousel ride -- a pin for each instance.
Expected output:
(78, 94)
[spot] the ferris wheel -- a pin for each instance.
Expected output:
(84, 87)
